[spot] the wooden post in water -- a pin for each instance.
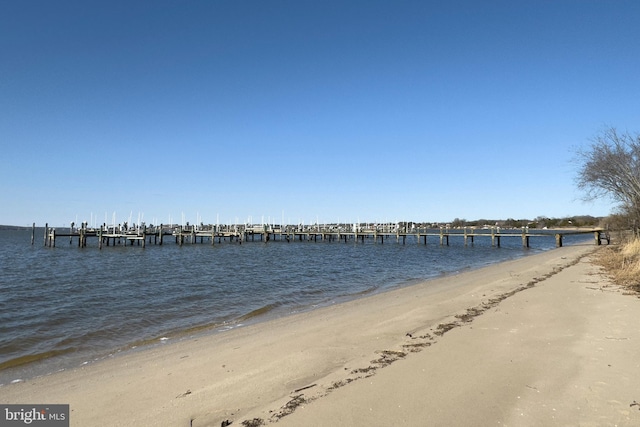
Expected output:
(161, 234)
(100, 237)
(33, 233)
(444, 237)
(46, 233)
(525, 238)
(558, 240)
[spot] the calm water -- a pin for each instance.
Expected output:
(64, 306)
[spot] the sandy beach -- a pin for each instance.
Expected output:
(543, 340)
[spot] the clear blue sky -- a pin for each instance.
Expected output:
(305, 110)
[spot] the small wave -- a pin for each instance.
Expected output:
(367, 291)
(31, 358)
(259, 312)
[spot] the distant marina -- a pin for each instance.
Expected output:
(123, 234)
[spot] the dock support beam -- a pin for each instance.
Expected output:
(444, 237)
(525, 238)
(495, 238)
(558, 240)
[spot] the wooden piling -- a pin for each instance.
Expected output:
(525, 237)
(495, 238)
(444, 237)
(33, 233)
(558, 240)
(82, 239)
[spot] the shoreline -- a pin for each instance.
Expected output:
(38, 365)
(258, 370)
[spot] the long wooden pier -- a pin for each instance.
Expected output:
(122, 235)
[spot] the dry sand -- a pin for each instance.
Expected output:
(544, 340)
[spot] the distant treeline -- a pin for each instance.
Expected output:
(539, 222)
(13, 227)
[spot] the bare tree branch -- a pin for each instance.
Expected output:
(610, 166)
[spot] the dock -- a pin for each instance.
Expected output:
(141, 235)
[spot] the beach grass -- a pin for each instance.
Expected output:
(622, 263)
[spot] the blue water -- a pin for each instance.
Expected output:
(64, 306)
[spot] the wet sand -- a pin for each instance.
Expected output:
(544, 340)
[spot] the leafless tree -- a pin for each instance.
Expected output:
(610, 166)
